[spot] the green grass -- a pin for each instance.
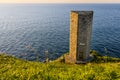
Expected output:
(101, 68)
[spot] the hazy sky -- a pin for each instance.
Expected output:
(59, 1)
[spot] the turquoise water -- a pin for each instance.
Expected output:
(46, 27)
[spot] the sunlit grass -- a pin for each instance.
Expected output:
(15, 69)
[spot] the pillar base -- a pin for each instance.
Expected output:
(71, 60)
(86, 60)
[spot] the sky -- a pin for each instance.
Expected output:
(59, 1)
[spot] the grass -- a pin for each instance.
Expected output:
(101, 68)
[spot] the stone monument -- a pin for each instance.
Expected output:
(80, 37)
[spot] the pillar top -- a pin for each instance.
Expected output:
(83, 12)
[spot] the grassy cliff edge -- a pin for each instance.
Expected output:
(102, 67)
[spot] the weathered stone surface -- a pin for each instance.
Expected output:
(80, 36)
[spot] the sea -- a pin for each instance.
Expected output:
(28, 31)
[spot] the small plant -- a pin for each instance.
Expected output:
(46, 54)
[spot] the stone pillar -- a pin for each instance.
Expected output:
(80, 36)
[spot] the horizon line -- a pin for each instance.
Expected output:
(63, 3)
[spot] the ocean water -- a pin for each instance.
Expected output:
(28, 30)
